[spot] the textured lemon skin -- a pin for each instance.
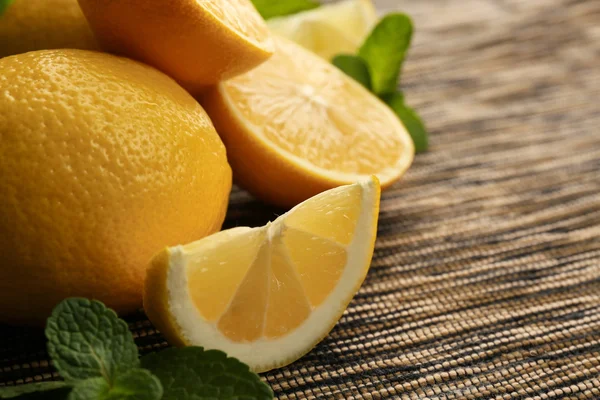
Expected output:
(178, 37)
(29, 25)
(103, 162)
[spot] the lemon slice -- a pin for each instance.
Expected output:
(296, 126)
(331, 29)
(268, 295)
(196, 42)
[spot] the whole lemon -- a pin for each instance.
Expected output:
(103, 162)
(29, 25)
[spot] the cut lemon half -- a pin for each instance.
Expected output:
(268, 295)
(296, 126)
(197, 42)
(330, 29)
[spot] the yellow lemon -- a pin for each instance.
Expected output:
(268, 295)
(296, 126)
(103, 162)
(197, 42)
(29, 25)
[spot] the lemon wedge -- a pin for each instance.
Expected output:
(331, 29)
(268, 295)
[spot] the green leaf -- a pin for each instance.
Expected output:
(355, 67)
(87, 340)
(277, 8)
(4, 5)
(194, 374)
(413, 123)
(45, 390)
(384, 51)
(92, 388)
(135, 384)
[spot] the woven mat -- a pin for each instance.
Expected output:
(486, 278)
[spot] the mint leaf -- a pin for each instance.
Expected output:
(92, 388)
(277, 8)
(135, 384)
(88, 340)
(4, 5)
(414, 125)
(355, 67)
(46, 390)
(195, 374)
(384, 51)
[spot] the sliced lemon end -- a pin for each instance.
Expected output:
(268, 295)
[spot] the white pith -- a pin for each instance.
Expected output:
(265, 353)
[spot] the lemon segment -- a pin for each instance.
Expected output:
(244, 319)
(319, 263)
(216, 286)
(285, 288)
(333, 217)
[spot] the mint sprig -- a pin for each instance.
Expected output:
(379, 62)
(135, 384)
(384, 51)
(88, 340)
(95, 353)
(278, 8)
(355, 67)
(195, 374)
(413, 123)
